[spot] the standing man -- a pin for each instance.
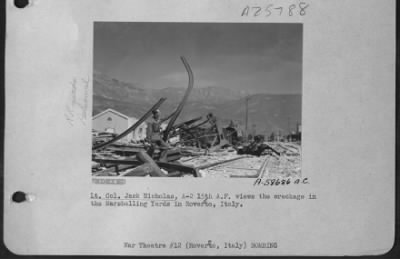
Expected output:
(154, 134)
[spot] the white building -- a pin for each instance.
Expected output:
(115, 122)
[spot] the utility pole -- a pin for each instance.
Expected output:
(279, 135)
(247, 116)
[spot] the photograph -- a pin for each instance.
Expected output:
(273, 120)
(197, 99)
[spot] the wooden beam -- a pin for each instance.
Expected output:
(165, 165)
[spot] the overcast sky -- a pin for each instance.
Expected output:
(256, 57)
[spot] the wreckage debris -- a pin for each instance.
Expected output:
(184, 100)
(203, 149)
(132, 128)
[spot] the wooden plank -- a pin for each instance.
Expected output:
(125, 149)
(113, 169)
(165, 165)
(179, 167)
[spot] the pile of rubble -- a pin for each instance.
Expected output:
(197, 162)
(204, 149)
(227, 163)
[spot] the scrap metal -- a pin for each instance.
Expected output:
(185, 97)
(204, 147)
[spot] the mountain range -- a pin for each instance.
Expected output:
(267, 113)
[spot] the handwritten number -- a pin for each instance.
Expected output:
(257, 13)
(291, 7)
(268, 11)
(281, 8)
(258, 10)
(303, 7)
(245, 11)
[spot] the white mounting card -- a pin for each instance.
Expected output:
(314, 79)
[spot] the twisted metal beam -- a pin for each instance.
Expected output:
(198, 125)
(185, 97)
(186, 123)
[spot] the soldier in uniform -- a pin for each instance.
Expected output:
(154, 134)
